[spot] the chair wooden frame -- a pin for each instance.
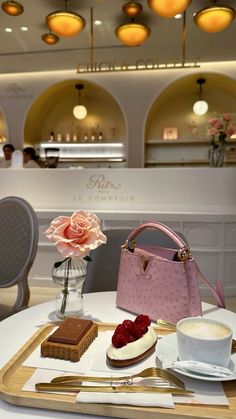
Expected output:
(30, 240)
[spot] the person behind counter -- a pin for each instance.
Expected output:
(7, 150)
(30, 158)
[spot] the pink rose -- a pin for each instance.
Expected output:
(227, 116)
(218, 125)
(75, 236)
(212, 131)
(213, 121)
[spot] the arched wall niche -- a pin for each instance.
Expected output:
(174, 106)
(52, 111)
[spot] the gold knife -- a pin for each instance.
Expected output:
(110, 389)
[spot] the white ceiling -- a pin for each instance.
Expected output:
(25, 51)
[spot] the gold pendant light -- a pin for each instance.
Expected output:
(168, 8)
(132, 33)
(65, 23)
(12, 8)
(50, 38)
(79, 111)
(200, 107)
(214, 18)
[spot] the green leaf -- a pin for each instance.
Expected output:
(87, 258)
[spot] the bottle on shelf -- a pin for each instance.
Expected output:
(85, 137)
(59, 137)
(67, 137)
(52, 137)
(100, 136)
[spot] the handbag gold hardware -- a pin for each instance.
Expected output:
(183, 254)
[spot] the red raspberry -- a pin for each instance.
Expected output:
(139, 330)
(143, 319)
(128, 324)
(119, 340)
(121, 329)
(130, 338)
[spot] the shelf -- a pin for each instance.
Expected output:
(85, 152)
(90, 159)
(184, 142)
(199, 162)
(177, 163)
(177, 142)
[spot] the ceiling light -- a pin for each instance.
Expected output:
(214, 18)
(132, 33)
(200, 107)
(65, 23)
(8, 29)
(97, 22)
(12, 8)
(24, 28)
(50, 38)
(168, 8)
(178, 16)
(79, 111)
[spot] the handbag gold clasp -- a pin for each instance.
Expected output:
(130, 245)
(183, 254)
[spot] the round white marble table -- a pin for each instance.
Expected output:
(17, 329)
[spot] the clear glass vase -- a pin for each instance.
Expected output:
(218, 155)
(70, 276)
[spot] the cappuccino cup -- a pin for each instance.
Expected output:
(204, 340)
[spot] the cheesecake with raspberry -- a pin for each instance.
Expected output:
(132, 341)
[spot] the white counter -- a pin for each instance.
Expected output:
(199, 202)
(170, 190)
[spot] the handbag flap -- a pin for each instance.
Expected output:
(161, 252)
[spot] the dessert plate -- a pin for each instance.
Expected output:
(166, 350)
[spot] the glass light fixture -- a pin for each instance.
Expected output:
(214, 18)
(132, 33)
(168, 8)
(50, 38)
(12, 8)
(200, 107)
(65, 23)
(79, 111)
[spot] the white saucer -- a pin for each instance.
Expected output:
(166, 350)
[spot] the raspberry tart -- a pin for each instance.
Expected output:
(132, 341)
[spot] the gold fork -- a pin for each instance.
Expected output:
(152, 372)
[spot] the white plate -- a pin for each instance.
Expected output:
(166, 350)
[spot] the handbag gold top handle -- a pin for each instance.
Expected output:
(183, 251)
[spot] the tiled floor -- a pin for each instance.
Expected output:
(42, 294)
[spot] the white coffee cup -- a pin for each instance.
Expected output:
(204, 340)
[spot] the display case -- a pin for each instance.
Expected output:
(87, 154)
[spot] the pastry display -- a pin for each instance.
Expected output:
(70, 340)
(132, 341)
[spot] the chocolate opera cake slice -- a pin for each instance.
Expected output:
(70, 340)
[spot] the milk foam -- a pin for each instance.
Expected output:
(204, 330)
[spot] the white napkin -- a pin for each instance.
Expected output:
(133, 399)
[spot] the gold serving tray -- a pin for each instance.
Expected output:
(14, 375)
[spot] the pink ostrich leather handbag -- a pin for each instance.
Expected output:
(161, 282)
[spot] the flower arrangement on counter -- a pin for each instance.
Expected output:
(74, 237)
(220, 129)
